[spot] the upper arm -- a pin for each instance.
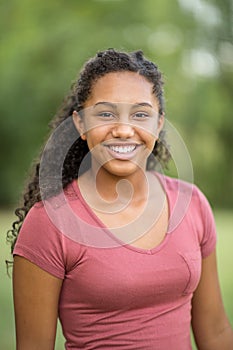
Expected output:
(208, 315)
(36, 297)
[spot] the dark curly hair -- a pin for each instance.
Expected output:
(104, 62)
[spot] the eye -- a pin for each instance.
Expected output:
(106, 115)
(141, 115)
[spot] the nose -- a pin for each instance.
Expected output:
(123, 131)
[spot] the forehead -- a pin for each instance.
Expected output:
(122, 87)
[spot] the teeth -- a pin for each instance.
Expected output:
(122, 149)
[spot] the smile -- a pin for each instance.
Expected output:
(123, 149)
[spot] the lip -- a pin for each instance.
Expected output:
(117, 154)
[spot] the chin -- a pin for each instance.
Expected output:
(122, 169)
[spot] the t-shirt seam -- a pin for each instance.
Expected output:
(37, 257)
(205, 249)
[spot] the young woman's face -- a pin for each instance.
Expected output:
(121, 122)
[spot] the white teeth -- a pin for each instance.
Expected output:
(122, 149)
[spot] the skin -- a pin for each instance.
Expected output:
(36, 295)
(99, 131)
(36, 292)
(123, 127)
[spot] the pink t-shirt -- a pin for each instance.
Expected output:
(119, 296)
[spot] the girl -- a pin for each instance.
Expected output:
(122, 254)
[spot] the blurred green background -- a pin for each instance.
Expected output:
(43, 45)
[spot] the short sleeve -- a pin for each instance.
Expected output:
(41, 243)
(209, 235)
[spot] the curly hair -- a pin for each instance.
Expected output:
(102, 63)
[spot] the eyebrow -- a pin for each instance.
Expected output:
(109, 104)
(114, 105)
(142, 104)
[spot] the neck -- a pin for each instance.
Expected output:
(98, 183)
(110, 187)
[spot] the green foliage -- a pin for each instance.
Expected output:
(45, 43)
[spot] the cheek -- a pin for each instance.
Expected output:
(151, 144)
(149, 138)
(96, 135)
(150, 127)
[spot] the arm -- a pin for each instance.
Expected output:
(211, 328)
(36, 295)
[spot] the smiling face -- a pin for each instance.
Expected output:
(121, 122)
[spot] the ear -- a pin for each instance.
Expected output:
(160, 123)
(79, 124)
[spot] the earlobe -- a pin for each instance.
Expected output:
(160, 124)
(78, 122)
(161, 121)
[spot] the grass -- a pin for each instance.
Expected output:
(224, 222)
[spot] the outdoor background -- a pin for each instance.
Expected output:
(43, 45)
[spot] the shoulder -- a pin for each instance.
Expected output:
(189, 203)
(45, 237)
(176, 187)
(174, 184)
(44, 209)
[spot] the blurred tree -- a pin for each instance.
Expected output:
(44, 44)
